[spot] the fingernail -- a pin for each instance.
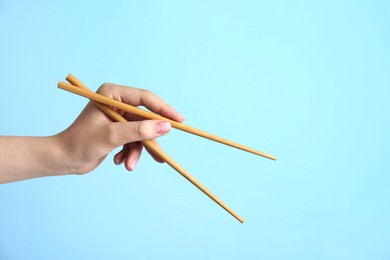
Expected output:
(163, 127)
(181, 118)
(132, 164)
(118, 161)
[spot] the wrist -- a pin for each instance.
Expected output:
(58, 152)
(41, 156)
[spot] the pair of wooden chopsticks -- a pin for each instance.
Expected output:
(104, 103)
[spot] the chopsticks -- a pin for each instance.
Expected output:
(115, 116)
(149, 115)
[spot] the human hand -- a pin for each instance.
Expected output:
(93, 135)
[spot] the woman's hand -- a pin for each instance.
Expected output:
(84, 145)
(93, 135)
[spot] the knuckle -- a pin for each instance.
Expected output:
(147, 93)
(105, 88)
(112, 135)
(143, 130)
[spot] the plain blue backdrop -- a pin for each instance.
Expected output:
(306, 81)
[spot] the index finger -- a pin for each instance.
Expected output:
(140, 97)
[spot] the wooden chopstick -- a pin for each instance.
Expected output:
(149, 115)
(115, 116)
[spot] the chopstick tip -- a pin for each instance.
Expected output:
(267, 156)
(69, 76)
(59, 84)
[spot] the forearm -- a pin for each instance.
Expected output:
(30, 157)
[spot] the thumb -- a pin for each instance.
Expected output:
(121, 133)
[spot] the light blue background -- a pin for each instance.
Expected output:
(307, 81)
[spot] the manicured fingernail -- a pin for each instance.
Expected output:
(163, 127)
(181, 118)
(132, 164)
(118, 161)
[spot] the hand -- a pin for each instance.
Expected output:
(93, 135)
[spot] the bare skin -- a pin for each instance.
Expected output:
(84, 145)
